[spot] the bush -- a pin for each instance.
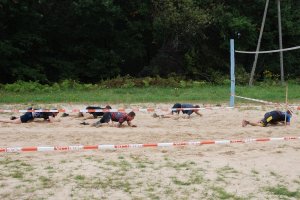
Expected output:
(21, 86)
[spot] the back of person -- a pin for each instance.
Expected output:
(31, 115)
(119, 117)
(186, 105)
(275, 116)
(44, 115)
(96, 114)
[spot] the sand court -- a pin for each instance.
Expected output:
(246, 170)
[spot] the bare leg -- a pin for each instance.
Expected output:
(15, 121)
(245, 123)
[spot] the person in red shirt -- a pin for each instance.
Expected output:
(119, 117)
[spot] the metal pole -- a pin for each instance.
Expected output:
(258, 43)
(232, 76)
(280, 42)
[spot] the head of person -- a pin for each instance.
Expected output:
(108, 107)
(196, 106)
(289, 112)
(131, 115)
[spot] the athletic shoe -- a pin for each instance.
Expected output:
(84, 123)
(65, 115)
(155, 115)
(13, 118)
(79, 114)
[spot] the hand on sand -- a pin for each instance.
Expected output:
(245, 123)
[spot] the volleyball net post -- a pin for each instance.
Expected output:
(232, 67)
(232, 75)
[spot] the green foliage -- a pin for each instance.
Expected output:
(89, 41)
(21, 86)
(241, 76)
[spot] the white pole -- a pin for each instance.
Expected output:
(280, 42)
(232, 76)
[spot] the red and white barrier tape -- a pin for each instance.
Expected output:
(131, 109)
(270, 103)
(125, 146)
(256, 100)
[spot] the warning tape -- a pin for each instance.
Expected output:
(127, 146)
(140, 109)
(116, 110)
(257, 100)
(268, 102)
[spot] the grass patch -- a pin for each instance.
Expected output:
(222, 194)
(253, 171)
(46, 182)
(206, 93)
(281, 190)
(17, 174)
(79, 177)
(226, 169)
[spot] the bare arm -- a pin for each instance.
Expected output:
(52, 119)
(130, 124)
(198, 113)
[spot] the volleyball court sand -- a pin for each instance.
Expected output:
(251, 170)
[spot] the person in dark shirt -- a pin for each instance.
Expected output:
(30, 116)
(274, 117)
(92, 114)
(119, 117)
(178, 107)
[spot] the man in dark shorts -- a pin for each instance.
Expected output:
(30, 116)
(119, 117)
(178, 107)
(274, 117)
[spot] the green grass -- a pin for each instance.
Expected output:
(283, 191)
(205, 93)
(221, 193)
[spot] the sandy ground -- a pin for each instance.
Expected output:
(265, 170)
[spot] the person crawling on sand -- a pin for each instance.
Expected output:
(119, 117)
(30, 116)
(91, 115)
(274, 117)
(178, 107)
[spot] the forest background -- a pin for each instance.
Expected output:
(89, 41)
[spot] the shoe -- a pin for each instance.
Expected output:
(84, 123)
(155, 115)
(65, 115)
(13, 118)
(79, 114)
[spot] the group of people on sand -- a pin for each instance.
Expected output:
(274, 117)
